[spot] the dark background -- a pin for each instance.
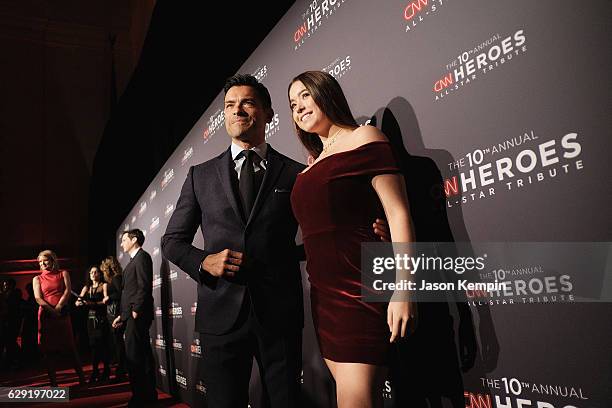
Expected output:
(84, 82)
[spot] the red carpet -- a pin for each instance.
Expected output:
(99, 394)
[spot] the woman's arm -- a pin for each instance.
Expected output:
(39, 297)
(80, 301)
(106, 299)
(66, 294)
(391, 190)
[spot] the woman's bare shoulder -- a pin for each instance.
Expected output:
(368, 134)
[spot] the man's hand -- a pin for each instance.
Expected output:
(381, 228)
(117, 322)
(225, 263)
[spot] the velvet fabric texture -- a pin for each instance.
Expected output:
(335, 205)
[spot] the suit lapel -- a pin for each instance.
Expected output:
(223, 171)
(273, 170)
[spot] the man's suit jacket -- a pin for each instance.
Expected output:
(137, 292)
(210, 199)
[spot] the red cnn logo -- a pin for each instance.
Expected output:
(451, 186)
(476, 294)
(477, 400)
(414, 7)
(299, 33)
(443, 83)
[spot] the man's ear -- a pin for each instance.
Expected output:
(270, 115)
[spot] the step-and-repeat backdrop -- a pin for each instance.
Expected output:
(501, 112)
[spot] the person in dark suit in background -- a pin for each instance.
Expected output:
(12, 324)
(137, 315)
(29, 331)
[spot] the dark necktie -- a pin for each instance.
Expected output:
(249, 182)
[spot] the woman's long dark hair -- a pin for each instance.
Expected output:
(327, 94)
(88, 281)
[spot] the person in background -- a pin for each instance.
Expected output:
(98, 329)
(3, 320)
(29, 329)
(52, 293)
(113, 276)
(12, 324)
(137, 315)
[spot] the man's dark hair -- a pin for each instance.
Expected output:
(249, 80)
(136, 233)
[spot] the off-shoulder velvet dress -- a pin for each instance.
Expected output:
(335, 205)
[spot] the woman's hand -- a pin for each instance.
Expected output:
(398, 314)
(52, 311)
(105, 300)
(79, 303)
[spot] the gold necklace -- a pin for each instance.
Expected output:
(331, 141)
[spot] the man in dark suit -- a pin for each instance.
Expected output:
(249, 283)
(137, 315)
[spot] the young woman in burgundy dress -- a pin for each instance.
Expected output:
(352, 180)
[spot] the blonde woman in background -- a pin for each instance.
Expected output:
(52, 293)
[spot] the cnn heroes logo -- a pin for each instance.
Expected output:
(416, 11)
(522, 392)
(273, 126)
(412, 264)
(547, 160)
(313, 17)
(481, 59)
(338, 67)
(215, 121)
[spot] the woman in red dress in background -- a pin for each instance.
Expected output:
(353, 179)
(52, 293)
